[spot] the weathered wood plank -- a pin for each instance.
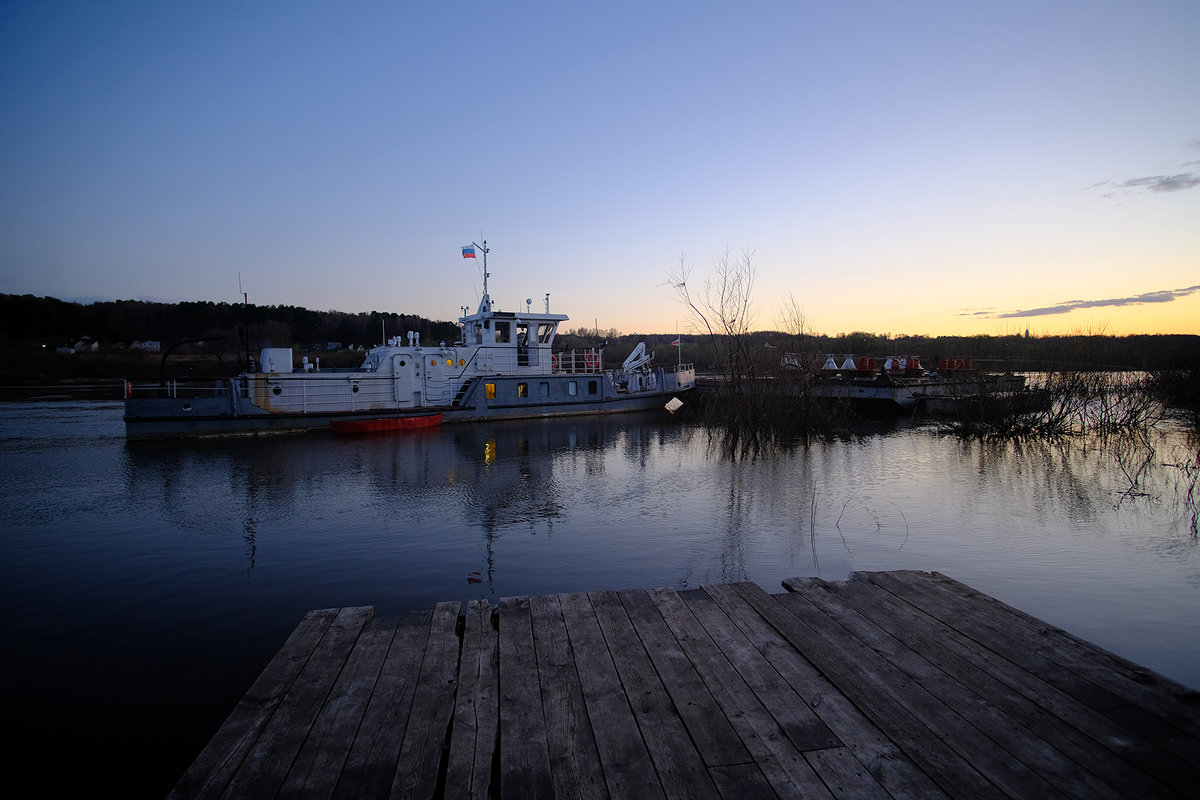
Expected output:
(898, 685)
(715, 739)
(837, 767)
(264, 769)
(477, 707)
(987, 724)
(628, 768)
(887, 764)
(858, 673)
(1104, 681)
(210, 773)
(574, 760)
(525, 761)
(315, 771)
(426, 735)
(794, 716)
(1063, 723)
(784, 767)
(680, 770)
(371, 763)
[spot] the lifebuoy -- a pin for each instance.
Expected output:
(554, 363)
(128, 390)
(590, 359)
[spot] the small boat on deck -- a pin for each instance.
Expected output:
(382, 424)
(505, 364)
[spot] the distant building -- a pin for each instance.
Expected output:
(146, 346)
(87, 345)
(333, 346)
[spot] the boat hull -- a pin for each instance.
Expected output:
(228, 412)
(886, 394)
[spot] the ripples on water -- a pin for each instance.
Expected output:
(146, 585)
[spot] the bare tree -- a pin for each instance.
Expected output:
(723, 310)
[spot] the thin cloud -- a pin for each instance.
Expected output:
(1164, 296)
(1154, 183)
(1165, 183)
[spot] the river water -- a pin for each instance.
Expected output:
(145, 585)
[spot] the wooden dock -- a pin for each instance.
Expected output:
(893, 684)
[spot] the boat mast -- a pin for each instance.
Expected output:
(485, 304)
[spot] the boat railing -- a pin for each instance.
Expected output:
(175, 389)
(578, 362)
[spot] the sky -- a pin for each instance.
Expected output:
(931, 168)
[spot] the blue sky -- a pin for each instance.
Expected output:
(921, 167)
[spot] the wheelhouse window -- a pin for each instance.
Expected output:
(502, 332)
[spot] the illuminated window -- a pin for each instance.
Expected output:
(522, 390)
(489, 391)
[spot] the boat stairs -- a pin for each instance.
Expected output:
(889, 685)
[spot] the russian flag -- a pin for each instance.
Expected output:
(468, 252)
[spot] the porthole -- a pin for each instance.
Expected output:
(277, 390)
(449, 362)
(402, 362)
(354, 388)
(462, 362)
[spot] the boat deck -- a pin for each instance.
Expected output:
(893, 684)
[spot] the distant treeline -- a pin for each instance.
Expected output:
(28, 322)
(48, 321)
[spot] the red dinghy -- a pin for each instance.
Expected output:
(385, 424)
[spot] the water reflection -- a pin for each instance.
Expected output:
(183, 550)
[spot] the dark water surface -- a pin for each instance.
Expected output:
(145, 585)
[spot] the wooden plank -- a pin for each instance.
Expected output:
(1166, 699)
(476, 723)
(265, 767)
(371, 763)
(886, 763)
(628, 768)
(681, 772)
(1087, 737)
(525, 758)
(317, 767)
(927, 703)
(837, 767)
(1035, 756)
(855, 670)
(574, 760)
(1099, 679)
(791, 712)
(784, 767)
(715, 739)
(428, 727)
(214, 767)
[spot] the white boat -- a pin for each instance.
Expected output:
(504, 365)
